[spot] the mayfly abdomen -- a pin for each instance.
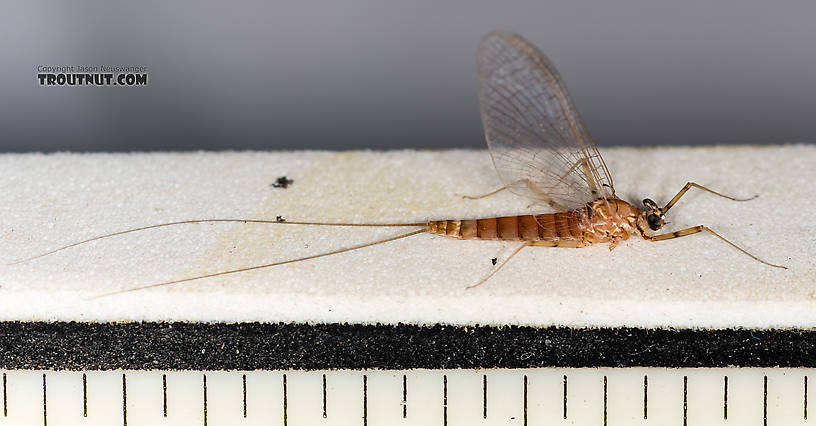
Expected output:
(547, 227)
(561, 226)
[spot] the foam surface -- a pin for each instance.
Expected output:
(696, 281)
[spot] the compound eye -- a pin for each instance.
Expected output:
(655, 222)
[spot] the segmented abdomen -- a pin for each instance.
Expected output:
(549, 227)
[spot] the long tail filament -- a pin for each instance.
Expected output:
(197, 221)
(268, 265)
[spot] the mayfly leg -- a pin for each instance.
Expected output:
(587, 171)
(543, 195)
(530, 185)
(538, 243)
(689, 185)
(700, 228)
(483, 280)
(590, 178)
(479, 197)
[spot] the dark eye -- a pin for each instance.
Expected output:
(654, 222)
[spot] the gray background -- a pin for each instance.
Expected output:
(400, 74)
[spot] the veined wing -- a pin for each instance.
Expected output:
(539, 144)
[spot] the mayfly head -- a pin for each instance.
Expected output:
(652, 216)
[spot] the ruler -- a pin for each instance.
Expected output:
(539, 396)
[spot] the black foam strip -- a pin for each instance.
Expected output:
(263, 346)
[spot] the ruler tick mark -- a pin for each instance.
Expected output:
(124, 400)
(45, 405)
(805, 396)
(365, 400)
(204, 381)
(5, 398)
(84, 395)
(484, 396)
(445, 400)
(765, 400)
(525, 400)
(725, 397)
(285, 419)
(243, 383)
(604, 402)
(685, 400)
(164, 395)
(565, 396)
(404, 396)
(324, 396)
(645, 397)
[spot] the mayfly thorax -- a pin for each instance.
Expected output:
(541, 151)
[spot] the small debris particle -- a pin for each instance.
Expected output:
(279, 219)
(282, 182)
(494, 260)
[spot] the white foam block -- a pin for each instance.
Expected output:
(695, 281)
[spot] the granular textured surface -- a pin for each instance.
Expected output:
(251, 346)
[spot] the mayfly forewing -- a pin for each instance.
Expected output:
(538, 143)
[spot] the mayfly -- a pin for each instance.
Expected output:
(542, 151)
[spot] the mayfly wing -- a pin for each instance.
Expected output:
(538, 143)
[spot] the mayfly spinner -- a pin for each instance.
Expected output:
(541, 150)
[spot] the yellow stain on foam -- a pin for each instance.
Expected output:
(355, 186)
